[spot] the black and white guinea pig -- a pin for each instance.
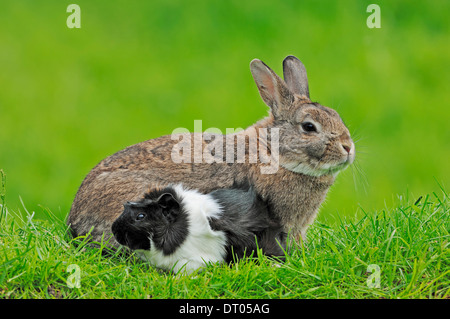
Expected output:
(177, 228)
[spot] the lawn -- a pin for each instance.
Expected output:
(402, 252)
(136, 70)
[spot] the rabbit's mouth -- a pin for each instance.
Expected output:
(319, 169)
(333, 169)
(330, 162)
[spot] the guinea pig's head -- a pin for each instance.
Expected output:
(145, 221)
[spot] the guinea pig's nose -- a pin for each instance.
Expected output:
(114, 227)
(118, 233)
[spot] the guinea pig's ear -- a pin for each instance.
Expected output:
(170, 206)
(167, 200)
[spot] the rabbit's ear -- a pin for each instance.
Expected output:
(294, 73)
(272, 88)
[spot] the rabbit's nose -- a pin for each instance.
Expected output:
(346, 147)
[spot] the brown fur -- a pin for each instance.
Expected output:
(295, 197)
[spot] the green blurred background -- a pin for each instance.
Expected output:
(138, 69)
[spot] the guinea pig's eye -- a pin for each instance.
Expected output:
(309, 127)
(140, 216)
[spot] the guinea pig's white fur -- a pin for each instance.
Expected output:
(202, 244)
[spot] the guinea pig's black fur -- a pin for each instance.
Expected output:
(174, 225)
(248, 224)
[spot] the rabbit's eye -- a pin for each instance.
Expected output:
(140, 216)
(309, 127)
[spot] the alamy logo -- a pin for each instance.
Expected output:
(74, 19)
(237, 146)
(373, 281)
(374, 19)
(74, 280)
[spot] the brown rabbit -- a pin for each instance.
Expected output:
(314, 145)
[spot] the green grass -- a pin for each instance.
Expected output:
(409, 243)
